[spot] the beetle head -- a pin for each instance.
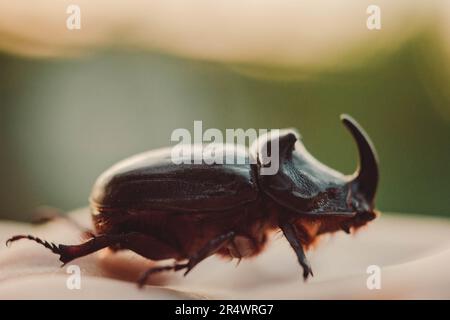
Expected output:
(307, 187)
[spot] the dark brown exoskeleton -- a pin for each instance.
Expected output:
(189, 211)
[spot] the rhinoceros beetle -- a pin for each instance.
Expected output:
(188, 212)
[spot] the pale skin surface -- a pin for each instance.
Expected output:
(413, 253)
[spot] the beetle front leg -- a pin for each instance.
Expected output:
(289, 232)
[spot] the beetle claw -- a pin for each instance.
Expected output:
(307, 272)
(186, 272)
(346, 229)
(189, 266)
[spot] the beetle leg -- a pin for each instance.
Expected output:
(68, 253)
(289, 232)
(143, 278)
(210, 248)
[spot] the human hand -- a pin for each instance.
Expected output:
(413, 253)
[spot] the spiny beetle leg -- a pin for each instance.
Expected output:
(68, 253)
(289, 231)
(49, 245)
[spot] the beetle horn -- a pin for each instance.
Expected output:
(366, 177)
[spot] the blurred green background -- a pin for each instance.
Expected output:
(64, 121)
